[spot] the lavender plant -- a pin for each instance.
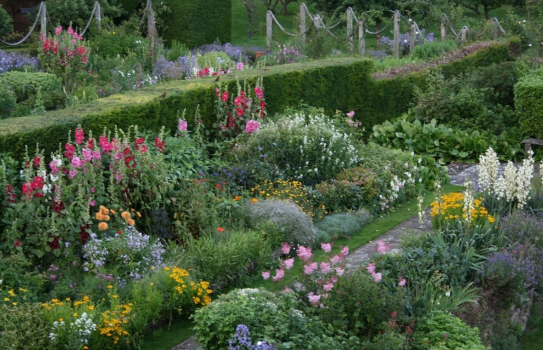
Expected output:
(236, 53)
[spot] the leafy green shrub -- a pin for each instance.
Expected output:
(23, 327)
(7, 101)
(274, 318)
(441, 330)
(339, 225)
(296, 226)
(177, 50)
(215, 59)
(6, 22)
(529, 103)
(26, 86)
(456, 103)
(359, 306)
(433, 49)
(304, 147)
(116, 41)
(226, 258)
(497, 81)
(448, 144)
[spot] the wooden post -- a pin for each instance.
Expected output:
(396, 43)
(302, 22)
(443, 29)
(350, 34)
(99, 17)
(495, 29)
(463, 34)
(43, 19)
(269, 27)
(362, 43)
(413, 35)
(316, 22)
(151, 29)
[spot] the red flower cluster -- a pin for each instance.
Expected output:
(160, 144)
(140, 147)
(33, 188)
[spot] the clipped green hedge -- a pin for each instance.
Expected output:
(197, 22)
(529, 103)
(341, 84)
(191, 22)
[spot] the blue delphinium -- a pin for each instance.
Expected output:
(242, 341)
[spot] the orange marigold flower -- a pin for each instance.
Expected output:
(254, 200)
(99, 216)
(104, 210)
(102, 226)
(131, 222)
(105, 217)
(126, 215)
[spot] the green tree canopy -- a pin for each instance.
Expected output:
(6, 22)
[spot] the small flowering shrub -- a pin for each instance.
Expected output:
(285, 54)
(272, 318)
(306, 148)
(65, 54)
(240, 113)
(513, 274)
(399, 175)
(318, 279)
(242, 340)
(126, 254)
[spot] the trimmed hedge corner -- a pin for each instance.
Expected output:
(529, 104)
(341, 84)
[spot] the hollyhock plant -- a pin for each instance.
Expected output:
(240, 112)
(116, 170)
(65, 54)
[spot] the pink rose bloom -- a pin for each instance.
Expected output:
(285, 248)
(289, 263)
(340, 271)
(350, 114)
(325, 267)
(279, 274)
(371, 268)
(183, 125)
(309, 268)
(327, 247)
(239, 66)
(328, 286)
(402, 282)
(336, 260)
(382, 247)
(266, 275)
(252, 126)
(377, 277)
(314, 298)
(304, 253)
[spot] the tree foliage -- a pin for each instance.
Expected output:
(6, 22)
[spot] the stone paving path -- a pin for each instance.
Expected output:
(458, 173)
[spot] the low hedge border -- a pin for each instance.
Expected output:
(335, 84)
(529, 103)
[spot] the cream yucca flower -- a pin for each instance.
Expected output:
(524, 180)
(468, 201)
(488, 170)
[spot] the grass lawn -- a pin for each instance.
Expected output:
(181, 330)
(533, 340)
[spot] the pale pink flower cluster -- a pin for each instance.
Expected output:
(324, 275)
(382, 247)
(251, 126)
(183, 125)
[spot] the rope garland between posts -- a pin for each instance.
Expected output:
(42, 5)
